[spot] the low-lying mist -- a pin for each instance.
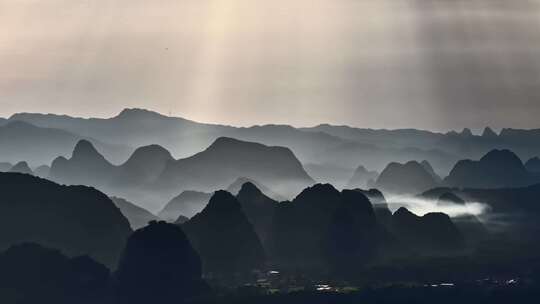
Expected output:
(421, 206)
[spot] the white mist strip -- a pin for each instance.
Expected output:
(421, 206)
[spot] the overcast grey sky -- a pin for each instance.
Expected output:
(431, 64)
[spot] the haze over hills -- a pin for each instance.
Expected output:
(227, 159)
(151, 177)
(409, 178)
(138, 217)
(325, 148)
(5, 166)
(188, 203)
(21, 167)
(497, 169)
(40, 145)
(362, 178)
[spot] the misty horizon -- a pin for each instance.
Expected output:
(476, 132)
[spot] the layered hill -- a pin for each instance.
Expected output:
(408, 178)
(21, 167)
(324, 228)
(138, 127)
(138, 217)
(496, 169)
(227, 159)
(430, 233)
(75, 219)
(362, 178)
(224, 237)
(40, 145)
(188, 203)
(259, 210)
(151, 175)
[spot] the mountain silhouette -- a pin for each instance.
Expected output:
(320, 226)
(158, 265)
(138, 217)
(362, 178)
(334, 147)
(86, 166)
(427, 166)
(353, 233)
(181, 219)
(42, 171)
(224, 237)
(235, 187)
(380, 206)
(151, 175)
(21, 167)
(75, 219)
(35, 274)
(409, 178)
(489, 133)
(533, 165)
(259, 210)
(40, 145)
(512, 213)
(188, 203)
(497, 169)
(144, 166)
(430, 233)
(227, 158)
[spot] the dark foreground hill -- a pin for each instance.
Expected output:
(427, 234)
(159, 265)
(224, 237)
(259, 209)
(323, 229)
(75, 219)
(34, 274)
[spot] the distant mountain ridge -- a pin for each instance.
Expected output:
(496, 169)
(152, 175)
(332, 151)
(40, 145)
(408, 178)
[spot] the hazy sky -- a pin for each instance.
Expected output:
(432, 64)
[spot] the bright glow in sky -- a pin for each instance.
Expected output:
(372, 63)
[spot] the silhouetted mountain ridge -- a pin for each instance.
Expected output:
(76, 219)
(408, 178)
(496, 169)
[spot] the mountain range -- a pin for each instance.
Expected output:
(151, 177)
(330, 153)
(22, 141)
